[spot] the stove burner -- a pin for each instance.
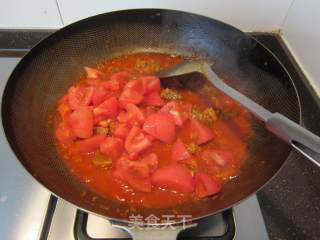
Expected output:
(81, 233)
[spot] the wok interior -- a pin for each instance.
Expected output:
(46, 73)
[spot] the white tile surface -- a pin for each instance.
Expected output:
(29, 14)
(302, 34)
(249, 15)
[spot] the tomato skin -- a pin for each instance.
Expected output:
(136, 174)
(130, 96)
(91, 144)
(174, 177)
(79, 96)
(112, 147)
(151, 83)
(136, 141)
(179, 114)
(205, 185)
(81, 122)
(221, 157)
(199, 132)
(161, 126)
(179, 151)
(121, 131)
(153, 99)
(109, 108)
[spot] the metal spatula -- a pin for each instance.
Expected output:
(298, 137)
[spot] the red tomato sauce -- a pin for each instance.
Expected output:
(220, 157)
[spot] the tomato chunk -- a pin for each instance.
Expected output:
(91, 144)
(121, 131)
(161, 126)
(179, 152)
(220, 157)
(81, 122)
(64, 133)
(174, 177)
(151, 160)
(133, 115)
(153, 99)
(151, 83)
(136, 141)
(199, 132)
(109, 108)
(137, 86)
(112, 147)
(130, 96)
(136, 112)
(178, 112)
(117, 81)
(79, 96)
(64, 110)
(205, 185)
(136, 174)
(99, 95)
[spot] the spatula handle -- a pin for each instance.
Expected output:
(300, 138)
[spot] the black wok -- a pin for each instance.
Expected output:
(48, 70)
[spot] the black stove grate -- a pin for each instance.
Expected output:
(80, 229)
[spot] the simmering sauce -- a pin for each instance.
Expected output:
(210, 136)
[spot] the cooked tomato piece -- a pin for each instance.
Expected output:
(79, 96)
(112, 147)
(205, 185)
(174, 177)
(151, 160)
(99, 95)
(91, 144)
(109, 108)
(153, 99)
(178, 112)
(64, 110)
(136, 141)
(137, 86)
(136, 174)
(94, 82)
(130, 96)
(133, 115)
(64, 133)
(220, 157)
(179, 152)
(151, 83)
(97, 119)
(161, 126)
(199, 132)
(94, 73)
(81, 122)
(117, 81)
(136, 112)
(121, 131)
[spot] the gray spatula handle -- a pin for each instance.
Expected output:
(300, 138)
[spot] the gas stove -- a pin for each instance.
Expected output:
(28, 211)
